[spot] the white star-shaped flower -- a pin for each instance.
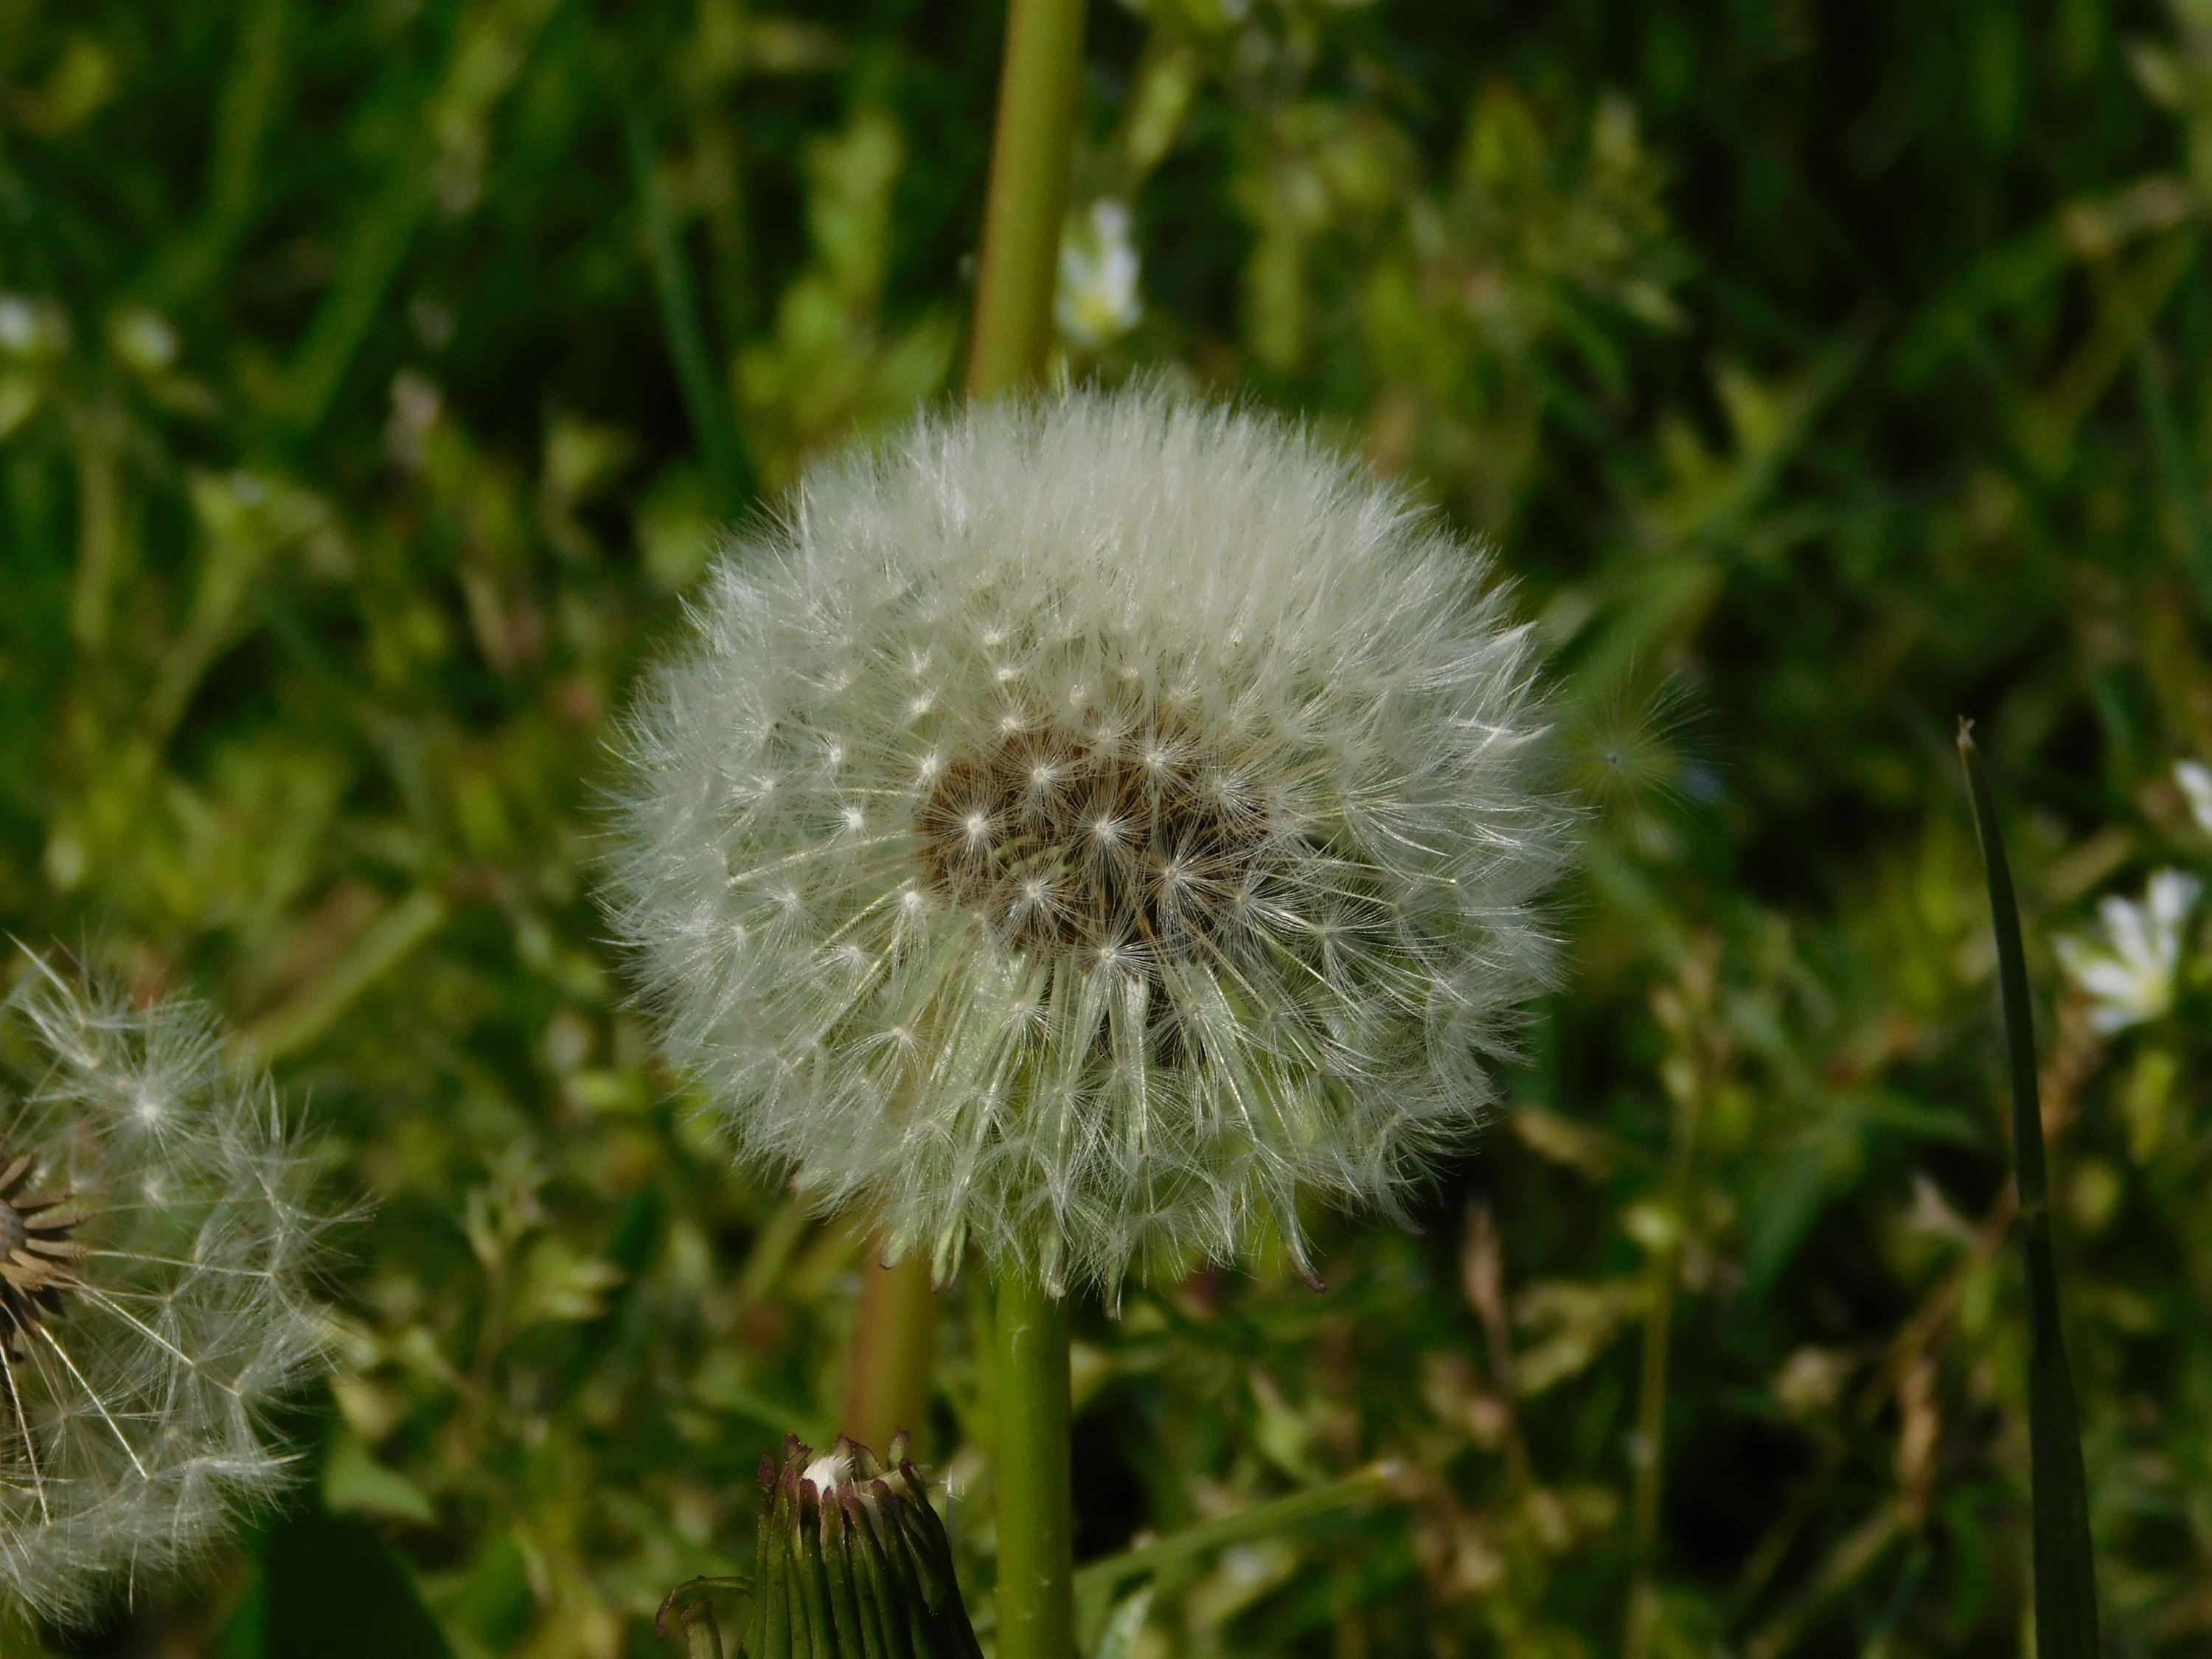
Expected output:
(2129, 974)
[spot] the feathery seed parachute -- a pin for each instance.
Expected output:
(1080, 826)
(157, 1237)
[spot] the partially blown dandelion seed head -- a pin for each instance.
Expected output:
(157, 1237)
(1081, 826)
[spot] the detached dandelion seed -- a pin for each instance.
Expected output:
(157, 1239)
(1205, 823)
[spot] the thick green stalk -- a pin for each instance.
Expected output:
(1040, 84)
(887, 1387)
(2065, 1572)
(1036, 1524)
(1039, 89)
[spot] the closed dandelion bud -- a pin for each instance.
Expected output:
(156, 1242)
(1080, 827)
(850, 1561)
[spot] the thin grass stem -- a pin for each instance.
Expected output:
(2065, 1572)
(1691, 1002)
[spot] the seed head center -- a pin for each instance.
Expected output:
(1093, 850)
(36, 1251)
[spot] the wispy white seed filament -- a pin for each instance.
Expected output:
(157, 1240)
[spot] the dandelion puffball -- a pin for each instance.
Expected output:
(157, 1242)
(1080, 826)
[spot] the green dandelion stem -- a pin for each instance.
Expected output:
(2065, 1572)
(1037, 1556)
(1039, 89)
(1031, 146)
(1038, 93)
(893, 1339)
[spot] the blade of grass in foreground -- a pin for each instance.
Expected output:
(2065, 1575)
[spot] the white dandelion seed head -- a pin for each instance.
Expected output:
(1228, 799)
(158, 1240)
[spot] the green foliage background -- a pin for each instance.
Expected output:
(373, 374)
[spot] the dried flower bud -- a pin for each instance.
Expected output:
(852, 1561)
(1084, 825)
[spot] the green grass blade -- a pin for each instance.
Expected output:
(2065, 1573)
(489, 51)
(1096, 1581)
(713, 425)
(2183, 496)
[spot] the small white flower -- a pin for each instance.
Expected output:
(2197, 784)
(32, 328)
(2128, 975)
(19, 325)
(1224, 894)
(144, 339)
(1098, 301)
(156, 1245)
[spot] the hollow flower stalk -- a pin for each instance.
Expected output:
(157, 1236)
(1078, 826)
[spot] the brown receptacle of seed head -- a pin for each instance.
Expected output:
(35, 1252)
(1144, 846)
